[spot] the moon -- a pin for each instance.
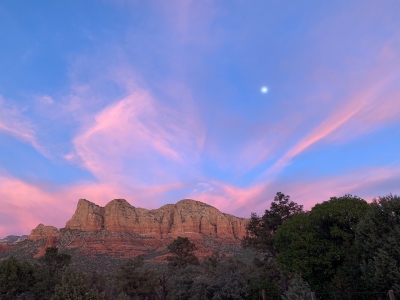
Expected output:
(264, 90)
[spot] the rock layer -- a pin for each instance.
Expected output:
(186, 217)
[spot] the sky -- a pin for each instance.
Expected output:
(158, 101)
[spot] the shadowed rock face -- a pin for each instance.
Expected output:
(10, 239)
(187, 217)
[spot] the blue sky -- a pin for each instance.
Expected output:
(156, 101)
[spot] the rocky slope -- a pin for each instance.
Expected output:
(13, 239)
(121, 230)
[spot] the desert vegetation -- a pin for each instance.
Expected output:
(344, 246)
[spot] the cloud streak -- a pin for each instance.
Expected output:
(135, 136)
(375, 104)
(14, 123)
(162, 103)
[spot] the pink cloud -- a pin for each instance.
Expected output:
(256, 198)
(138, 128)
(372, 105)
(24, 205)
(365, 183)
(13, 122)
(228, 198)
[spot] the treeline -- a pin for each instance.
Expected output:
(343, 245)
(183, 277)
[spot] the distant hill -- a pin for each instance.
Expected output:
(13, 239)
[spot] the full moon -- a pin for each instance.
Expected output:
(264, 90)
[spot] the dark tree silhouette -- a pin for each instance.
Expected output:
(182, 250)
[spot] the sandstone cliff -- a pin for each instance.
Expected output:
(187, 217)
(120, 230)
(88, 217)
(43, 232)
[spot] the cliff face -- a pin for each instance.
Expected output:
(48, 233)
(88, 217)
(186, 217)
(122, 231)
(43, 232)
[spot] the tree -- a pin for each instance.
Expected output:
(298, 289)
(73, 286)
(136, 281)
(336, 220)
(182, 250)
(183, 280)
(261, 229)
(261, 232)
(320, 244)
(163, 288)
(378, 243)
(97, 282)
(15, 278)
(271, 278)
(211, 262)
(231, 279)
(49, 272)
(123, 296)
(55, 261)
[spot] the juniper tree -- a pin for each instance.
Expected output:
(182, 253)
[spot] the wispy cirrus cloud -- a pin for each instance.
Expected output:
(372, 105)
(366, 183)
(169, 107)
(229, 198)
(15, 123)
(24, 204)
(36, 203)
(139, 136)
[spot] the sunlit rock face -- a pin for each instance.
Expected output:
(88, 217)
(49, 234)
(121, 230)
(43, 232)
(187, 217)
